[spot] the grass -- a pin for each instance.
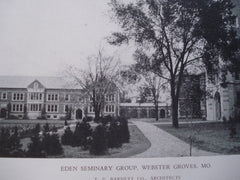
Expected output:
(162, 120)
(138, 144)
(213, 137)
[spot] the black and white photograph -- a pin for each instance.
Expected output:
(119, 78)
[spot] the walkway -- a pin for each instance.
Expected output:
(164, 144)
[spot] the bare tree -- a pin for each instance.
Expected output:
(153, 85)
(97, 80)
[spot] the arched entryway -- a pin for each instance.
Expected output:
(217, 100)
(3, 113)
(162, 113)
(79, 114)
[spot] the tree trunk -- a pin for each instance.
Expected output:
(175, 112)
(156, 111)
(97, 115)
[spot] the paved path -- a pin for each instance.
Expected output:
(164, 144)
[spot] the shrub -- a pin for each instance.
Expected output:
(15, 146)
(99, 141)
(82, 132)
(67, 137)
(54, 129)
(10, 144)
(48, 145)
(51, 144)
(113, 135)
(10, 117)
(88, 118)
(107, 119)
(36, 129)
(35, 148)
(46, 128)
(232, 127)
(124, 131)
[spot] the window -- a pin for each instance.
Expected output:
(35, 96)
(4, 95)
(52, 108)
(52, 97)
(35, 85)
(90, 109)
(109, 98)
(91, 98)
(67, 97)
(18, 97)
(66, 108)
(109, 108)
(237, 22)
(35, 107)
(17, 107)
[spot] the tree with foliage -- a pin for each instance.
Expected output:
(99, 141)
(174, 35)
(97, 80)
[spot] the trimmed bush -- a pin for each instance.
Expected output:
(35, 148)
(113, 135)
(10, 144)
(99, 141)
(15, 146)
(67, 137)
(124, 131)
(46, 128)
(88, 118)
(82, 132)
(51, 144)
(107, 119)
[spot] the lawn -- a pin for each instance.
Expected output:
(213, 137)
(138, 144)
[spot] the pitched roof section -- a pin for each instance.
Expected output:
(25, 81)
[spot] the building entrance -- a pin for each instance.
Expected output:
(78, 114)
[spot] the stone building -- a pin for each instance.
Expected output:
(144, 110)
(223, 102)
(192, 98)
(35, 97)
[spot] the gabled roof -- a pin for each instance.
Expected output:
(25, 81)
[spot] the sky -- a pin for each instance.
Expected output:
(43, 37)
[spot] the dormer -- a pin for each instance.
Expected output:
(35, 86)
